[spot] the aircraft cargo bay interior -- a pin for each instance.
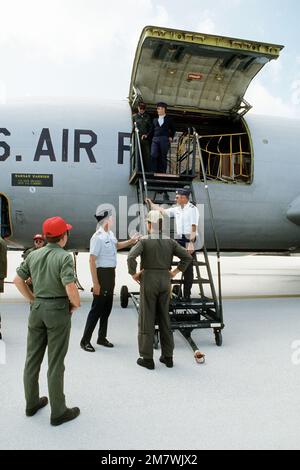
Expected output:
(225, 144)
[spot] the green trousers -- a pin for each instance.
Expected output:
(146, 152)
(49, 325)
(154, 306)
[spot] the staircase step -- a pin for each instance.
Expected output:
(163, 188)
(161, 202)
(196, 281)
(171, 183)
(191, 305)
(166, 175)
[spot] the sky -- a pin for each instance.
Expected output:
(85, 48)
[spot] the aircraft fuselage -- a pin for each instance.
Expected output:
(68, 159)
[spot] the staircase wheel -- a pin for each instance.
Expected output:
(219, 338)
(124, 297)
(177, 291)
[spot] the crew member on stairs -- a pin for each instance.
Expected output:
(162, 135)
(187, 221)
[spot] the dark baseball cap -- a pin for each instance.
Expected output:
(103, 214)
(183, 192)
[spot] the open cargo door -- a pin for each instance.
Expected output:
(197, 72)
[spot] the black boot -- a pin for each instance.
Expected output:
(69, 415)
(104, 342)
(32, 411)
(147, 363)
(87, 346)
(168, 361)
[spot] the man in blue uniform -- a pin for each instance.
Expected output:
(162, 134)
(103, 262)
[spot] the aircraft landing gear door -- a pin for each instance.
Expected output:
(5, 226)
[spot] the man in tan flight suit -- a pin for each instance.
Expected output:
(155, 278)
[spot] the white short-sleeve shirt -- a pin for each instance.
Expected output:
(185, 217)
(103, 246)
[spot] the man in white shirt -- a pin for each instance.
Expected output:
(103, 262)
(187, 220)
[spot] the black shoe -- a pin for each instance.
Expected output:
(105, 342)
(147, 363)
(87, 347)
(167, 360)
(32, 411)
(69, 415)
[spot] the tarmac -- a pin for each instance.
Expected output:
(246, 396)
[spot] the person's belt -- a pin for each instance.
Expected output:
(157, 269)
(107, 267)
(51, 298)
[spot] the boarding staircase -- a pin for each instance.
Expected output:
(205, 310)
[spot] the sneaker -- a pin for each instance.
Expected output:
(87, 347)
(168, 361)
(69, 415)
(32, 411)
(147, 363)
(105, 342)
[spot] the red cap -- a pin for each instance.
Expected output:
(38, 236)
(55, 227)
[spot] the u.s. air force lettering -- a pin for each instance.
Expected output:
(83, 145)
(84, 142)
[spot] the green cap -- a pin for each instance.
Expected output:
(154, 217)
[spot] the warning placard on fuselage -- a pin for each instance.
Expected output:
(29, 179)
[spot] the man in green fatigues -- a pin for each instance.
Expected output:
(53, 301)
(3, 269)
(144, 125)
(155, 278)
(38, 242)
